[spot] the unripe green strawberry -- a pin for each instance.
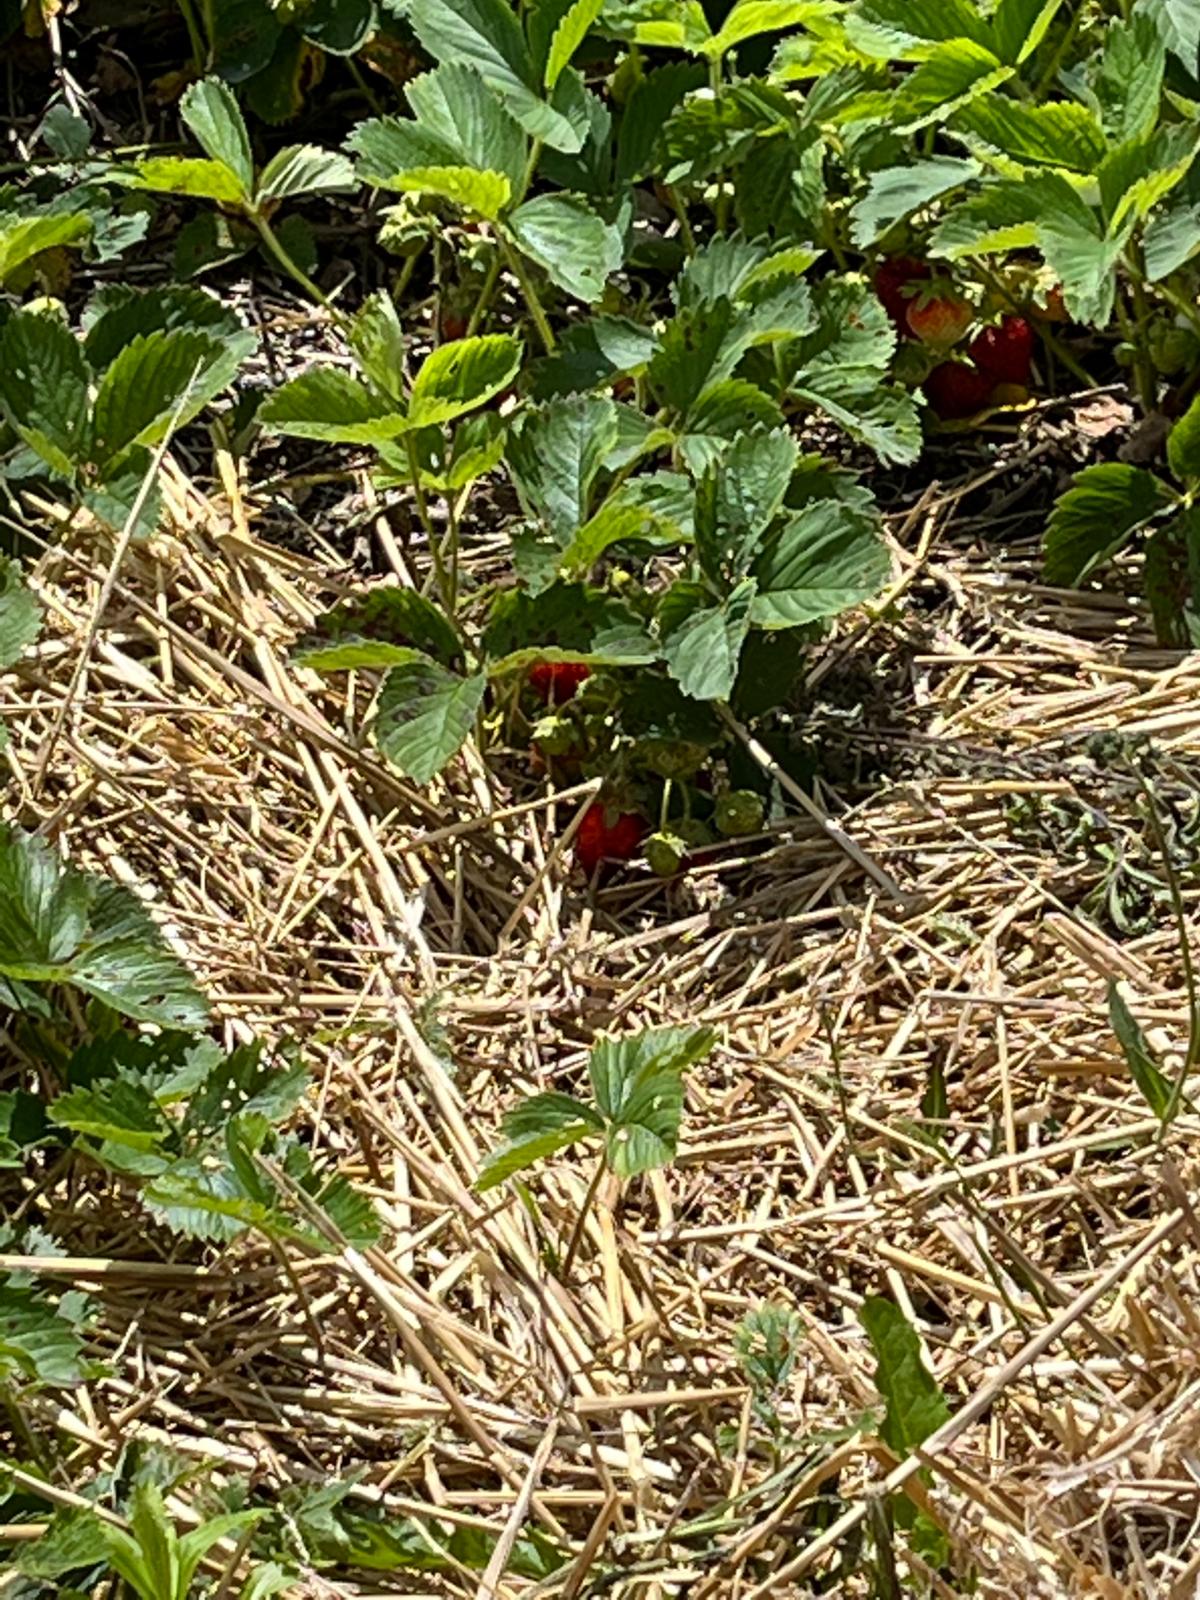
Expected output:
(665, 854)
(672, 758)
(739, 811)
(1172, 348)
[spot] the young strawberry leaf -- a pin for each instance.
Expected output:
(638, 1084)
(425, 714)
(538, 1127)
(568, 36)
(209, 109)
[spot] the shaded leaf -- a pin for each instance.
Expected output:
(1094, 518)
(425, 714)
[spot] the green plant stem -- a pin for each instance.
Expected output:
(724, 197)
(1056, 60)
(452, 545)
(480, 309)
(200, 51)
(680, 210)
(1192, 1058)
(588, 1201)
(536, 309)
(493, 273)
(435, 550)
(1180, 303)
(282, 259)
(1143, 366)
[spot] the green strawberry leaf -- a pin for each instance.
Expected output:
(1105, 505)
(22, 238)
(424, 716)
(454, 106)
(330, 404)
(570, 33)
(896, 192)
(384, 628)
(486, 34)
(701, 641)
(1183, 445)
(1019, 26)
(638, 1084)
(159, 381)
(44, 388)
(554, 454)
(823, 560)
(304, 169)
(60, 925)
(209, 109)
(459, 376)
(39, 1342)
(20, 614)
(487, 194)
(577, 250)
(192, 176)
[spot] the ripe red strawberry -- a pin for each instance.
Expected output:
(938, 317)
(892, 278)
(556, 681)
(452, 326)
(607, 836)
(1005, 353)
(955, 390)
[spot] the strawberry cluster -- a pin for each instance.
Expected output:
(928, 309)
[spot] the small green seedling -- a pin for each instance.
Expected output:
(637, 1106)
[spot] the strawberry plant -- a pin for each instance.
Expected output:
(635, 1108)
(88, 412)
(247, 198)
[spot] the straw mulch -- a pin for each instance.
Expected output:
(974, 869)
